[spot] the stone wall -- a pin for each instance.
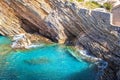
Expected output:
(116, 15)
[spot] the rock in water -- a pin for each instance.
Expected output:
(20, 41)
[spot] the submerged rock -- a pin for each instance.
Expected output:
(37, 61)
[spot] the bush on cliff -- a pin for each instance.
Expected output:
(77, 0)
(80, 0)
(108, 6)
(92, 5)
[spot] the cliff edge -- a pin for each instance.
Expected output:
(63, 22)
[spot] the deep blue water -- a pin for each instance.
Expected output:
(46, 63)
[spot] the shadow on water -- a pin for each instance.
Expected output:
(86, 74)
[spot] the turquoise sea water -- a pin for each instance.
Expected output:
(47, 63)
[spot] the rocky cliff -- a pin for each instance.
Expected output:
(63, 22)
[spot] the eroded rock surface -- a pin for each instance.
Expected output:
(63, 22)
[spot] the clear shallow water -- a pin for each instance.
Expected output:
(47, 63)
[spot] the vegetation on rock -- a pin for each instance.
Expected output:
(108, 6)
(92, 5)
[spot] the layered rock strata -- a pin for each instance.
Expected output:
(63, 22)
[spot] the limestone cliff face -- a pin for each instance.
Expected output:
(16, 19)
(33, 13)
(63, 22)
(9, 23)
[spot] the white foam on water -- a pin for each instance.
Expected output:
(101, 64)
(34, 46)
(16, 38)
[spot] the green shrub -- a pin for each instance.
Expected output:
(108, 6)
(77, 0)
(71, 0)
(80, 0)
(93, 2)
(92, 5)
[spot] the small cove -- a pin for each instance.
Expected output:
(51, 62)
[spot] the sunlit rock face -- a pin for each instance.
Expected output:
(9, 22)
(32, 14)
(63, 22)
(14, 22)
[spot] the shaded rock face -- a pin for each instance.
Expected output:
(118, 75)
(63, 22)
